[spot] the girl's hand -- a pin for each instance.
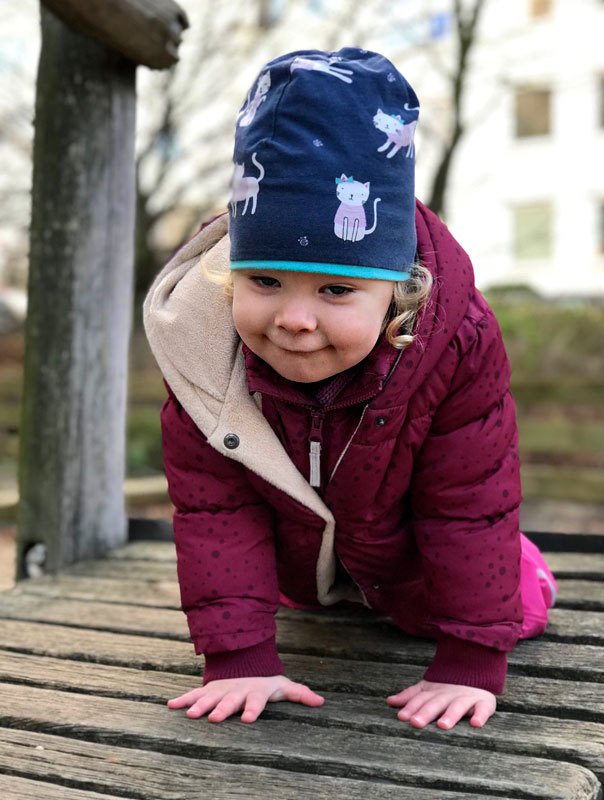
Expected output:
(425, 701)
(225, 697)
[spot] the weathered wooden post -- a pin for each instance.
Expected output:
(71, 462)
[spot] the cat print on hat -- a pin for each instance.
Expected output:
(248, 112)
(399, 133)
(350, 222)
(322, 66)
(245, 187)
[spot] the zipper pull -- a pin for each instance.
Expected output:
(316, 433)
(315, 464)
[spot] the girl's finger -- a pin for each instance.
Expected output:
(254, 706)
(457, 709)
(403, 697)
(429, 711)
(413, 705)
(203, 705)
(185, 699)
(299, 693)
(482, 711)
(229, 704)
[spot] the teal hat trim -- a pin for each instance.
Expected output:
(348, 270)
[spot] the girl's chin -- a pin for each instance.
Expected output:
(299, 367)
(305, 376)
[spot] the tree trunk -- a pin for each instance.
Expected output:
(71, 462)
(466, 22)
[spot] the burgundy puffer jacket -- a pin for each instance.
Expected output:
(418, 467)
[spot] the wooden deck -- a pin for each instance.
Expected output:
(88, 660)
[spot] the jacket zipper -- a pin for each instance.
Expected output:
(316, 435)
(316, 440)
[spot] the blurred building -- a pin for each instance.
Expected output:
(526, 197)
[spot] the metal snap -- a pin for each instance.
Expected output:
(231, 441)
(375, 587)
(381, 420)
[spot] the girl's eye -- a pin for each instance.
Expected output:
(338, 291)
(265, 281)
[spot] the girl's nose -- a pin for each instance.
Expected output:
(295, 317)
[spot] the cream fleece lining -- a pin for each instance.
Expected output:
(189, 327)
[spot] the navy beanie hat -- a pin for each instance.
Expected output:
(324, 167)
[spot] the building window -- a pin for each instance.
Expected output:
(540, 8)
(533, 112)
(533, 231)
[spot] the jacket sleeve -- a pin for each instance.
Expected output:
(224, 537)
(466, 495)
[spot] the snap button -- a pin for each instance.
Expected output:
(381, 420)
(375, 587)
(231, 441)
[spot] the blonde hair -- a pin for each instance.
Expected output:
(409, 298)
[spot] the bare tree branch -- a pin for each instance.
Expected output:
(466, 27)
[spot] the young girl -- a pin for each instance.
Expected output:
(339, 425)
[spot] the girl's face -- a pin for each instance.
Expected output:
(308, 326)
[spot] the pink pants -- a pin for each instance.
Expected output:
(537, 586)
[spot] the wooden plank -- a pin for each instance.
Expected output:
(71, 667)
(569, 625)
(523, 734)
(580, 627)
(581, 594)
(563, 565)
(295, 746)
(566, 624)
(365, 642)
(172, 776)
(158, 593)
(83, 644)
(576, 565)
(127, 683)
(120, 618)
(25, 789)
(145, 551)
(375, 642)
(122, 570)
(519, 734)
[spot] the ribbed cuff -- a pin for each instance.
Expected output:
(468, 664)
(260, 660)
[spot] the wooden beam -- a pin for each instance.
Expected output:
(72, 434)
(145, 31)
